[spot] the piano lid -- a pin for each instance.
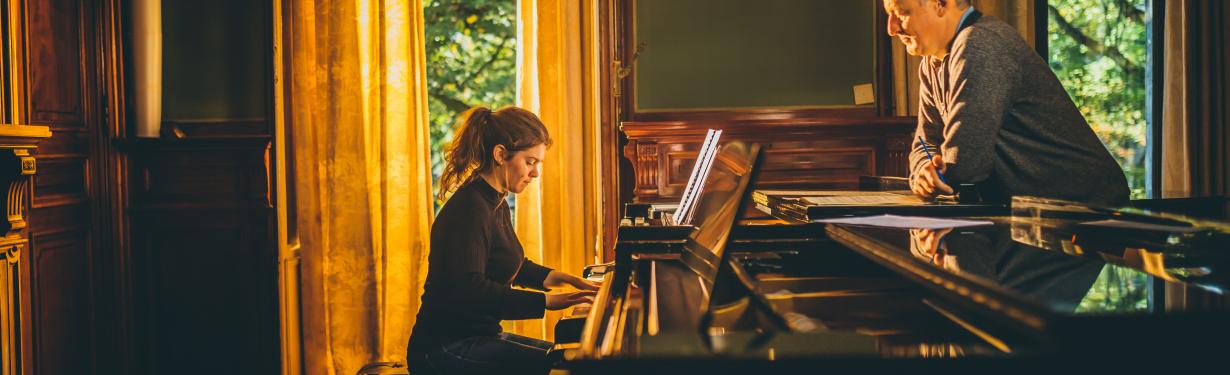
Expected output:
(1054, 259)
(722, 196)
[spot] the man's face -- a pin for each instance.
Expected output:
(918, 26)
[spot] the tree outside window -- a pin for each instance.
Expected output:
(471, 60)
(1098, 48)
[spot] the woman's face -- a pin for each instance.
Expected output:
(522, 168)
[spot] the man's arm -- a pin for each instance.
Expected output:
(930, 125)
(983, 76)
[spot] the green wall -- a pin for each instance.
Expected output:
(215, 56)
(710, 54)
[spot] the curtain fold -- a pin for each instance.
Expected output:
(1176, 169)
(557, 217)
(357, 105)
(1196, 101)
(1196, 124)
(1207, 96)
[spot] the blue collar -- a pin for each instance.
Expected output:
(967, 19)
(961, 25)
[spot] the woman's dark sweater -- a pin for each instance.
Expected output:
(475, 260)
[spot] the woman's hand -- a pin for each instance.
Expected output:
(557, 279)
(562, 301)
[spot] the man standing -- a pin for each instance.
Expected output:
(993, 114)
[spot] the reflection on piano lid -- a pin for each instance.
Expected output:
(725, 190)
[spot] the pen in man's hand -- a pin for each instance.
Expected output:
(927, 149)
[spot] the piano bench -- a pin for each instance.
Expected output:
(384, 368)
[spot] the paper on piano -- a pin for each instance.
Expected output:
(907, 222)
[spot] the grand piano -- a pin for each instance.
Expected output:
(1045, 284)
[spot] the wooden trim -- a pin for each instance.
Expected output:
(1041, 35)
(111, 189)
(289, 262)
(608, 117)
(642, 129)
(215, 128)
(1158, 103)
(15, 107)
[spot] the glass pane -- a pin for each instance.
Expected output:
(1099, 50)
(726, 54)
(471, 61)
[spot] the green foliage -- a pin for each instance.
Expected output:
(1117, 290)
(1098, 50)
(471, 61)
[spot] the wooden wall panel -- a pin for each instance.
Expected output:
(203, 260)
(55, 51)
(61, 78)
(60, 281)
(798, 153)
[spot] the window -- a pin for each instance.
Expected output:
(1101, 51)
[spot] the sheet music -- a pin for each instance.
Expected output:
(691, 186)
(906, 222)
(704, 160)
(860, 200)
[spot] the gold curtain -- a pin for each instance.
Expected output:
(1176, 168)
(557, 217)
(358, 127)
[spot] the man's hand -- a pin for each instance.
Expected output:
(557, 279)
(925, 244)
(926, 182)
(562, 301)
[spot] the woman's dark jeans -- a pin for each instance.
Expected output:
(505, 353)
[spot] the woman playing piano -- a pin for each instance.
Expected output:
(476, 258)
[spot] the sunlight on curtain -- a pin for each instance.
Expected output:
(1176, 166)
(357, 107)
(558, 216)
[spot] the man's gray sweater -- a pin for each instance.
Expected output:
(1002, 120)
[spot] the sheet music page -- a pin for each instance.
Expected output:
(906, 222)
(692, 193)
(692, 179)
(864, 199)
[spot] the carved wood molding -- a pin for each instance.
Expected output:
(816, 152)
(17, 166)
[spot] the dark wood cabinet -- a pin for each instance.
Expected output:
(812, 144)
(127, 255)
(823, 153)
(202, 260)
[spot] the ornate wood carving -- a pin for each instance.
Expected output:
(17, 167)
(800, 153)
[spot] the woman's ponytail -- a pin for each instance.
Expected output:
(481, 129)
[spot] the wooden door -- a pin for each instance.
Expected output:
(62, 95)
